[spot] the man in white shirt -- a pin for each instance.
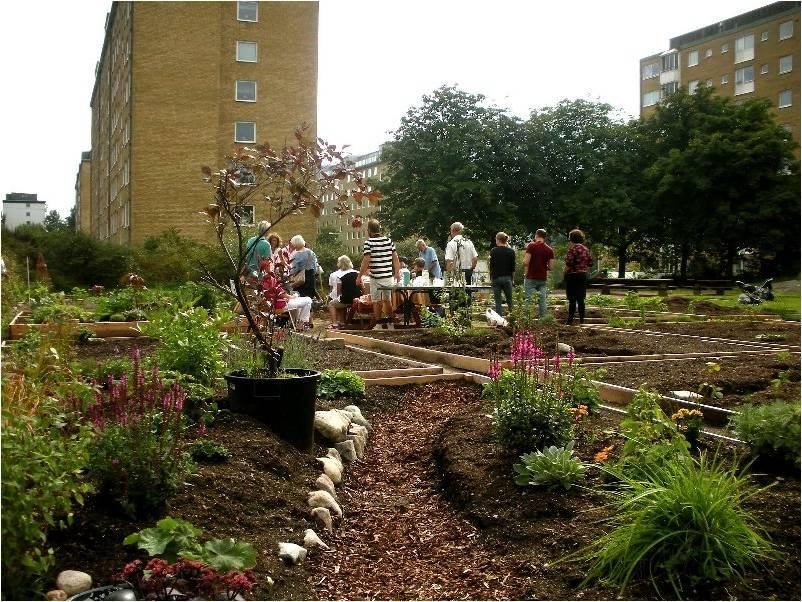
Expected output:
(460, 253)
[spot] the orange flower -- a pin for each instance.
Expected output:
(603, 454)
(580, 411)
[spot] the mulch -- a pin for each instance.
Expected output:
(742, 330)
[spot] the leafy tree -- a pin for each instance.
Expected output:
(53, 221)
(456, 159)
(71, 218)
(328, 248)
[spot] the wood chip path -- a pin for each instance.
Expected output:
(400, 539)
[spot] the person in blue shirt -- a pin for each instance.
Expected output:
(257, 249)
(431, 263)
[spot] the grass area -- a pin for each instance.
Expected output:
(785, 304)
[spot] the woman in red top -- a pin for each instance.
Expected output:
(577, 264)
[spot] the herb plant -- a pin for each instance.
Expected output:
(553, 467)
(340, 383)
(771, 431)
(206, 450)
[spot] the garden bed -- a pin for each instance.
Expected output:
(746, 331)
(742, 380)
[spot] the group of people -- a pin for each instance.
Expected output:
(539, 260)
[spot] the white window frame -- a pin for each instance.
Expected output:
(746, 52)
(693, 58)
(236, 90)
(654, 94)
(725, 47)
(692, 86)
(790, 68)
(764, 69)
(764, 36)
(650, 70)
(725, 79)
(780, 99)
(744, 86)
(708, 53)
(236, 123)
(249, 210)
(255, 5)
(789, 34)
(256, 54)
(709, 83)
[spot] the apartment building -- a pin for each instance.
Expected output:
(83, 193)
(21, 208)
(372, 170)
(180, 85)
(752, 55)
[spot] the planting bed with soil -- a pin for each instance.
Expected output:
(586, 342)
(747, 379)
(746, 331)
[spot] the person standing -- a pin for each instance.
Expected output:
(577, 264)
(502, 268)
(429, 256)
(257, 249)
(460, 253)
(538, 260)
(380, 262)
(303, 261)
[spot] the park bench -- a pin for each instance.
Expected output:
(661, 285)
(719, 286)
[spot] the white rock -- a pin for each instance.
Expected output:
(323, 499)
(322, 516)
(356, 416)
(73, 582)
(326, 484)
(335, 455)
(686, 395)
(291, 553)
(347, 451)
(357, 429)
(564, 348)
(333, 424)
(332, 469)
(359, 445)
(312, 541)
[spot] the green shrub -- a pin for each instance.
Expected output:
(680, 522)
(584, 392)
(190, 343)
(553, 467)
(340, 383)
(207, 450)
(300, 352)
(771, 431)
(42, 466)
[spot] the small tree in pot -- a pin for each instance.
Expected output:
(282, 182)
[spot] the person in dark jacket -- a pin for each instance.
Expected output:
(577, 264)
(502, 268)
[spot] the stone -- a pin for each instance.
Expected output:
(56, 594)
(332, 424)
(357, 429)
(322, 516)
(323, 499)
(326, 484)
(334, 454)
(291, 553)
(359, 445)
(564, 349)
(73, 582)
(332, 469)
(686, 395)
(312, 541)
(356, 416)
(347, 451)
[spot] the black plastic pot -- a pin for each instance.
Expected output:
(107, 592)
(286, 405)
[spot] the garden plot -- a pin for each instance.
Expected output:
(775, 332)
(735, 380)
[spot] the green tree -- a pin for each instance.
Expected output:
(53, 221)
(455, 159)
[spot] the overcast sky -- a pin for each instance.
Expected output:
(377, 58)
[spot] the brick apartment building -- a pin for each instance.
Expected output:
(180, 85)
(372, 169)
(752, 55)
(83, 193)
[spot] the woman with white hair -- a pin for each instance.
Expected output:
(344, 287)
(304, 261)
(257, 249)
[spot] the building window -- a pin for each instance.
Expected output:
(745, 80)
(764, 69)
(245, 131)
(247, 11)
(246, 52)
(725, 79)
(764, 37)
(786, 63)
(692, 85)
(725, 48)
(785, 99)
(745, 48)
(27, 214)
(27, 205)
(245, 91)
(786, 30)
(708, 53)
(669, 88)
(670, 61)
(709, 83)
(651, 98)
(693, 58)
(246, 215)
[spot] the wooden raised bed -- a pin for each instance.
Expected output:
(17, 328)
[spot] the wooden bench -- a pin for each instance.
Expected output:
(719, 286)
(661, 285)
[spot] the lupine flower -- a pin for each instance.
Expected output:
(495, 370)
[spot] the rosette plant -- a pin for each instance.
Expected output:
(277, 182)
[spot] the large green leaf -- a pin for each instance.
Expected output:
(229, 555)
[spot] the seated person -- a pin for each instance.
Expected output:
(274, 293)
(344, 288)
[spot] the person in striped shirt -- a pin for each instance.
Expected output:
(380, 262)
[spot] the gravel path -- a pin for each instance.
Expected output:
(399, 538)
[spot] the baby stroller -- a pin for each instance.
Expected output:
(755, 295)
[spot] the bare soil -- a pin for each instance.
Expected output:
(741, 330)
